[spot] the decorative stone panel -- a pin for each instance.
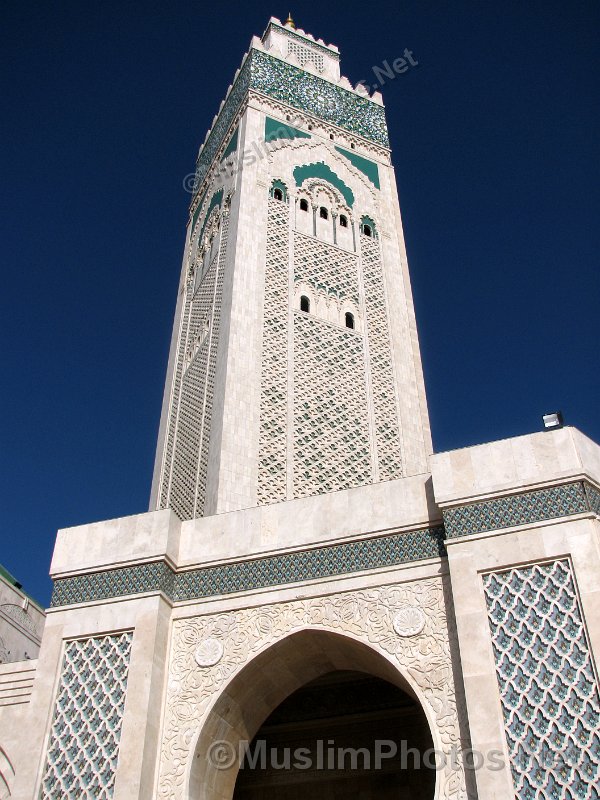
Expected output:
(325, 267)
(301, 40)
(385, 400)
(22, 618)
(331, 428)
(593, 498)
(294, 87)
(304, 54)
(424, 659)
(183, 480)
(86, 730)
(325, 100)
(272, 459)
(548, 688)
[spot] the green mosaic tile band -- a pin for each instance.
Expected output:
(154, 577)
(322, 562)
(593, 496)
(318, 96)
(219, 130)
(520, 509)
(300, 89)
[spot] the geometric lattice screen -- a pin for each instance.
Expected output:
(272, 462)
(331, 418)
(548, 687)
(86, 730)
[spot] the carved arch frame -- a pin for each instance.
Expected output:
(366, 620)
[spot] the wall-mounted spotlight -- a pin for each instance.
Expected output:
(553, 421)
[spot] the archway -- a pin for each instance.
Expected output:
(346, 734)
(273, 685)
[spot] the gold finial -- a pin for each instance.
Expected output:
(289, 21)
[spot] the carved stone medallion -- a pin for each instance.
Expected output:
(409, 621)
(208, 653)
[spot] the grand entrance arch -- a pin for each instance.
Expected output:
(231, 671)
(346, 734)
(264, 706)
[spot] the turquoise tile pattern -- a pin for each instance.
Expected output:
(322, 562)
(329, 102)
(548, 689)
(86, 729)
(299, 89)
(593, 498)
(220, 129)
(517, 509)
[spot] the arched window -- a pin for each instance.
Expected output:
(343, 221)
(304, 304)
(278, 191)
(303, 205)
(368, 227)
(323, 213)
(349, 320)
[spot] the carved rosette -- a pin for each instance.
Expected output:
(209, 652)
(409, 621)
(371, 615)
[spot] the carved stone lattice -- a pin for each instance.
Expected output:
(324, 266)
(367, 615)
(548, 688)
(331, 430)
(21, 617)
(186, 449)
(86, 730)
(274, 384)
(304, 54)
(387, 429)
(213, 339)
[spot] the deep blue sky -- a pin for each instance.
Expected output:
(104, 106)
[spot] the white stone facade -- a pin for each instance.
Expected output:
(266, 598)
(470, 580)
(21, 622)
(263, 401)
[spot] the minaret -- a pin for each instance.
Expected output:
(294, 367)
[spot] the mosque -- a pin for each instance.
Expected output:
(316, 605)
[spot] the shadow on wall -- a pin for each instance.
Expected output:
(7, 775)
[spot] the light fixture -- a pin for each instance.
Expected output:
(553, 421)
